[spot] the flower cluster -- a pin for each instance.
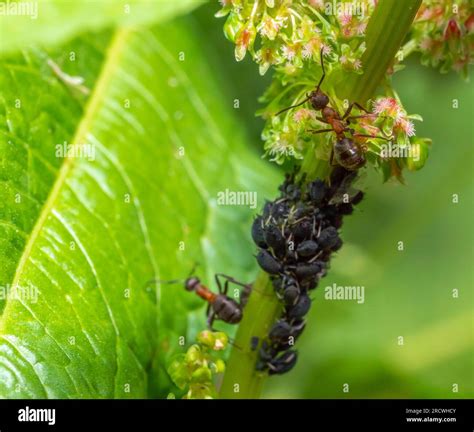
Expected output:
(290, 33)
(393, 143)
(444, 34)
(194, 371)
(295, 37)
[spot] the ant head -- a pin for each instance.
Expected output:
(318, 99)
(191, 283)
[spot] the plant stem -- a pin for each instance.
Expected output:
(387, 28)
(312, 167)
(241, 381)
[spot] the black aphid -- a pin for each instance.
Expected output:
(258, 232)
(268, 263)
(297, 235)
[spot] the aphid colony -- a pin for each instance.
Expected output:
(296, 235)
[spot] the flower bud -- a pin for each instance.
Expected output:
(178, 372)
(199, 391)
(469, 24)
(201, 375)
(206, 338)
(226, 8)
(193, 354)
(452, 30)
(244, 40)
(219, 366)
(232, 26)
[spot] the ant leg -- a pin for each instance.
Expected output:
(224, 290)
(314, 131)
(358, 105)
(244, 296)
(231, 279)
(331, 158)
(210, 320)
(349, 110)
(350, 118)
(372, 136)
(247, 288)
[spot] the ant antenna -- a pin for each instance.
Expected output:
(294, 106)
(308, 96)
(322, 67)
(173, 281)
(195, 266)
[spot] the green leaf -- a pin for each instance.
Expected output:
(87, 235)
(50, 22)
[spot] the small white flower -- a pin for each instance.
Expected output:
(307, 51)
(357, 64)
(326, 49)
(288, 52)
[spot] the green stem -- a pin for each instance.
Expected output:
(312, 167)
(241, 381)
(387, 28)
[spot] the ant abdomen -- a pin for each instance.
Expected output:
(348, 154)
(227, 309)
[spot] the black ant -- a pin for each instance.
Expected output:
(220, 306)
(348, 154)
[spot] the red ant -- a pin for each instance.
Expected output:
(220, 306)
(348, 154)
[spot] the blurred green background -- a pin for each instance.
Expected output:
(408, 293)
